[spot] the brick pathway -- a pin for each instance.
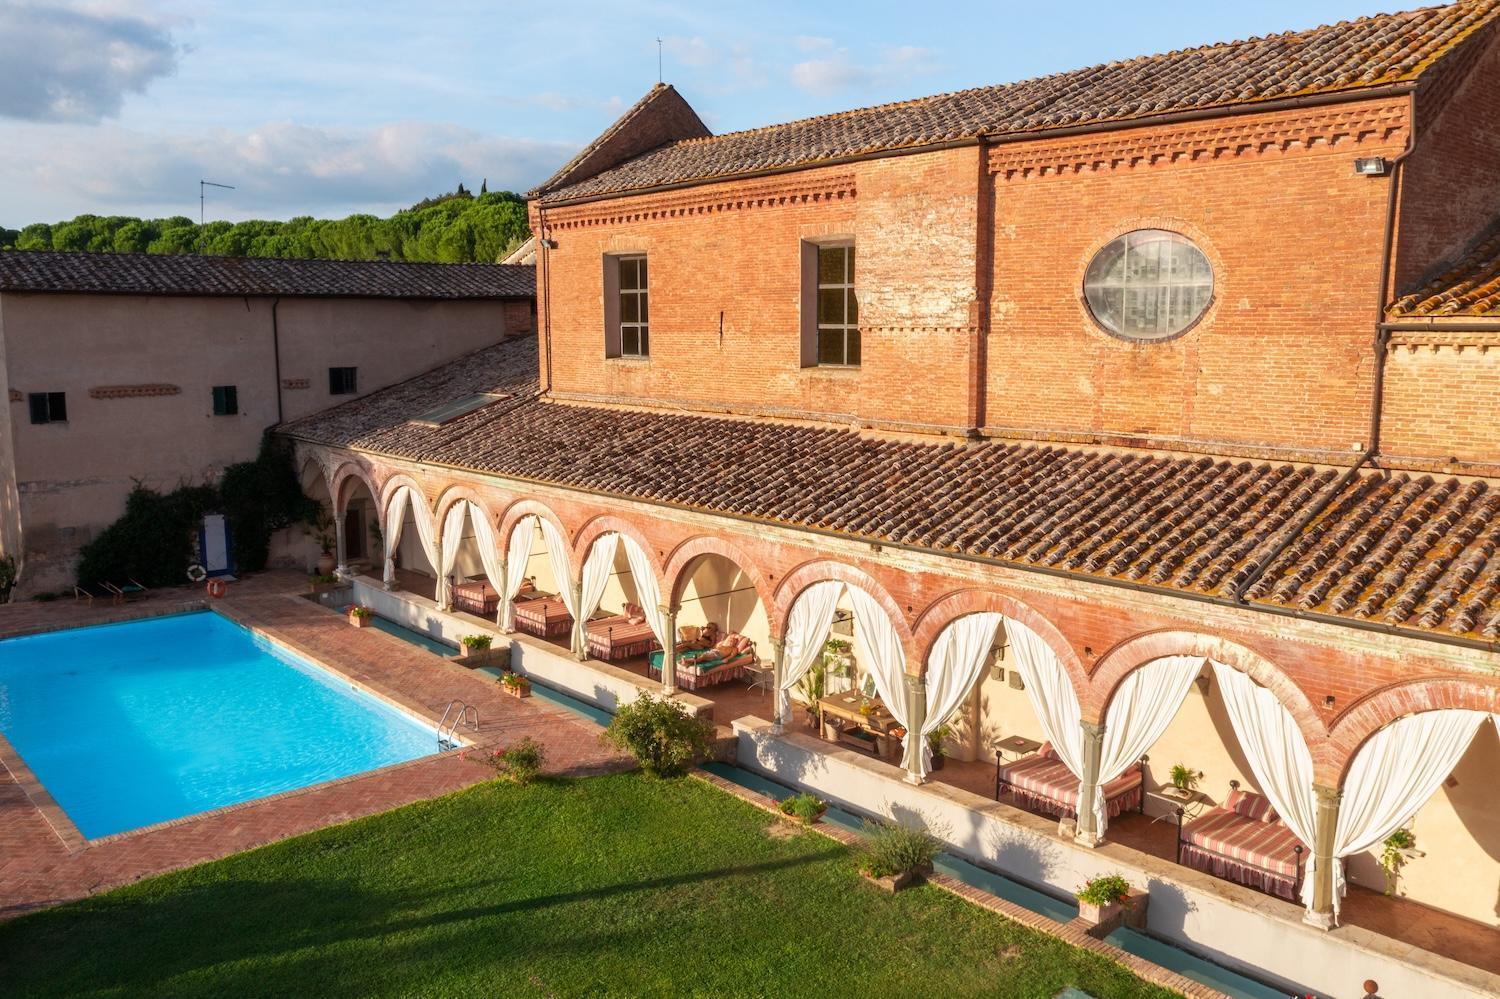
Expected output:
(44, 861)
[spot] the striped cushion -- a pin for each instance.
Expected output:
(1267, 845)
(1251, 805)
(1050, 778)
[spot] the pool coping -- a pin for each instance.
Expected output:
(73, 838)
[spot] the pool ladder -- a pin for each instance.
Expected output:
(462, 713)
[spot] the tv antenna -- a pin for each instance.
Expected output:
(658, 60)
(201, 185)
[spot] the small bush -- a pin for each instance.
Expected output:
(895, 850)
(318, 580)
(1104, 889)
(476, 643)
(804, 807)
(520, 764)
(661, 735)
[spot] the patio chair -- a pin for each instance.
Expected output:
(131, 590)
(82, 592)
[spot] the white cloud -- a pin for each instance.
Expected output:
(278, 169)
(839, 71)
(71, 62)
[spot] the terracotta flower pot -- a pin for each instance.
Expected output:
(359, 621)
(326, 564)
(521, 688)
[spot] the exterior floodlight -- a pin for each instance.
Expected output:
(1370, 166)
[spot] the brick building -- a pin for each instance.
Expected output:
(1182, 362)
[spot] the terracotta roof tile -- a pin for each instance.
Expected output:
(1371, 52)
(163, 274)
(1410, 552)
(1468, 287)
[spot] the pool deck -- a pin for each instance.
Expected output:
(44, 860)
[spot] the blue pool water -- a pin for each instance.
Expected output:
(131, 724)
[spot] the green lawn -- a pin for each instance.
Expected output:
(615, 885)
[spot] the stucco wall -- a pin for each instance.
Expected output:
(72, 478)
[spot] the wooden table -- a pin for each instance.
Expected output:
(1017, 746)
(845, 707)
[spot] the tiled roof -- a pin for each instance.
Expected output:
(1466, 288)
(1371, 52)
(1407, 552)
(162, 274)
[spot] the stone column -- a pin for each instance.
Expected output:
(340, 550)
(669, 653)
(916, 717)
(440, 595)
(1093, 755)
(1325, 825)
(580, 642)
(778, 672)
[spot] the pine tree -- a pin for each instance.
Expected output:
(484, 187)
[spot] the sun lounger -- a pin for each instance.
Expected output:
(1244, 841)
(713, 667)
(90, 593)
(129, 590)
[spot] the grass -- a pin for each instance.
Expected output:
(614, 885)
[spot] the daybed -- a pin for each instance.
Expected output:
(620, 636)
(544, 616)
(1244, 841)
(476, 596)
(1041, 782)
(704, 668)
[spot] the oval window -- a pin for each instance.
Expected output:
(1148, 285)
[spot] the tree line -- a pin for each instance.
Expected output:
(459, 227)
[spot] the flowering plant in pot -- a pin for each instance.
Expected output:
(359, 616)
(515, 684)
(1103, 899)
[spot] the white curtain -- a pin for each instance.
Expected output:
(517, 557)
(1140, 712)
(887, 667)
(395, 519)
(562, 570)
(489, 549)
(958, 657)
(647, 592)
(596, 572)
(807, 630)
(1050, 693)
(453, 537)
(1393, 775)
(1277, 754)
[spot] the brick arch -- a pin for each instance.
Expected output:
(314, 460)
(388, 489)
(808, 573)
(457, 492)
(597, 527)
(520, 510)
(342, 475)
(952, 606)
(1354, 727)
(684, 558)
(1133, 653)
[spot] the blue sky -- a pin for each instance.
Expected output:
(120, 106)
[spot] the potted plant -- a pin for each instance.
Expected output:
(515, 684)
(475, 650)
(896, 857)
(805, 808)
(1398, 848)
(866, 708)
(359, 616)
(1102, 901)
(322, 582)
(320, 529)
(1184, 780)
(812, 687)
(935, 740)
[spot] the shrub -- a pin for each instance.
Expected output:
(7, 577)
(476, 643)
(1104, 889)
(895, 850)
(519, 764)
(661, 735)
(804, 807)
(322, 580)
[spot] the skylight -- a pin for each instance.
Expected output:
(450, 411)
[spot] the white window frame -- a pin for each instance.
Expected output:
(847, 286)
(641, 327)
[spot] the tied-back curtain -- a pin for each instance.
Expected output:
(1277, 754)
(1140, 712)
(395, 520)
(517, 557)
(453, 538)
(882, 646)
(807, 630)
(647, 592)
(1393, 775)
(562, 569)
(596, 572)
(489, 550)
(958, 657)
(1050, 693)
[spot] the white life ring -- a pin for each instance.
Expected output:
(196, 573)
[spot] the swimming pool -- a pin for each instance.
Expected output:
(127, 725)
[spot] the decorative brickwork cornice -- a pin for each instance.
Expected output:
(1316, 130)
(132, 391)
(1436, 339)
(797, 190)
